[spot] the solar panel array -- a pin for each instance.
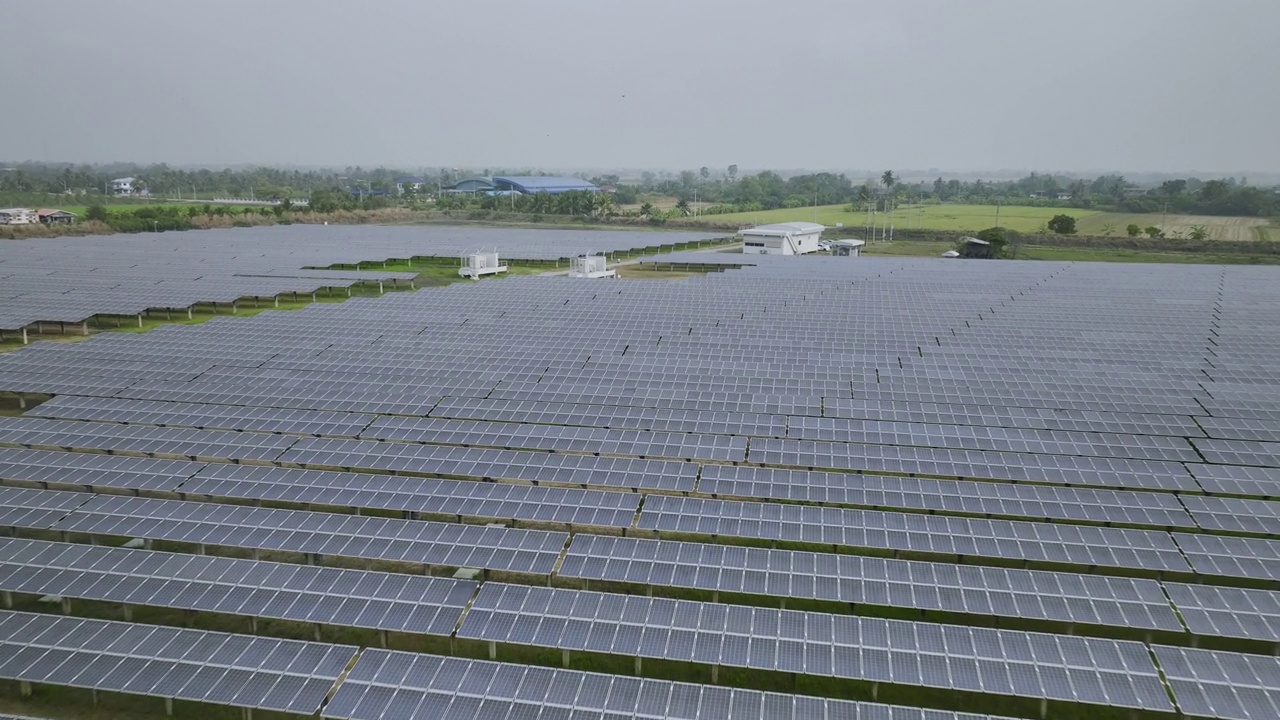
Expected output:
(73, 278)
(1016, 462)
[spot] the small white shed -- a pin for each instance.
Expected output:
(481, 262)
(793, 238)
(847, 248)
(591, 265)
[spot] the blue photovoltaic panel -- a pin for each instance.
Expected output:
(198, 665)
(388, 684)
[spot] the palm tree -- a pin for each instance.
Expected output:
(544, 202)
(602, 204)
(646, 210)
(888, 180)
(682, 205)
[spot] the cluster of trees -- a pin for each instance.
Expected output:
(162, 180)
(1206, 197)
(161, 218)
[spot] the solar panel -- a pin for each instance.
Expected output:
(198, 665)
(94, 470)
(969, 498)
(417, 496)
(555, 468)
(932, 534)
(385, 684)
(868, 581)
(1216, 684)
(253, 588)
(311, 533)
(997, 662)
(1227, 611)
(1250, 558)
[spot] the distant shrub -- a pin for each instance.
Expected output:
(1063, 224)
(997, 237)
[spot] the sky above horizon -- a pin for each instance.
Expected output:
(963, 85)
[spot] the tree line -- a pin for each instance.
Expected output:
(714, 191)
(768, 190)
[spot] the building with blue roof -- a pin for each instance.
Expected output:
(530, 185)
(473, 186)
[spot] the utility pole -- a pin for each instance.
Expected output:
(892, 219)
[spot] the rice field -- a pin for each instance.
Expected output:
(1241, 229)
(961, 218)
(972, 218)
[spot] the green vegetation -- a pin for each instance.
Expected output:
(917, 248)
(1188, 208)
(959, 218)
(1062, 224)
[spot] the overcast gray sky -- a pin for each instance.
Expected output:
(1163, 85)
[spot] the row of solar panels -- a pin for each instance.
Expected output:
(998, 411)
(644, 367)
(844, 579)
(985, 540)
(429, 495)
(405, 603)
(569, 436)
(1054, 543)
(294, 676)
(622, 472)
(988, 411)
(209, 524)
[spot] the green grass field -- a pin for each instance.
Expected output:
(914, 217)
(911, 248)
(972, 218)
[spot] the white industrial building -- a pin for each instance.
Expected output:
(793, 238)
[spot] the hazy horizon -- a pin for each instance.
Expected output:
(958, 86)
